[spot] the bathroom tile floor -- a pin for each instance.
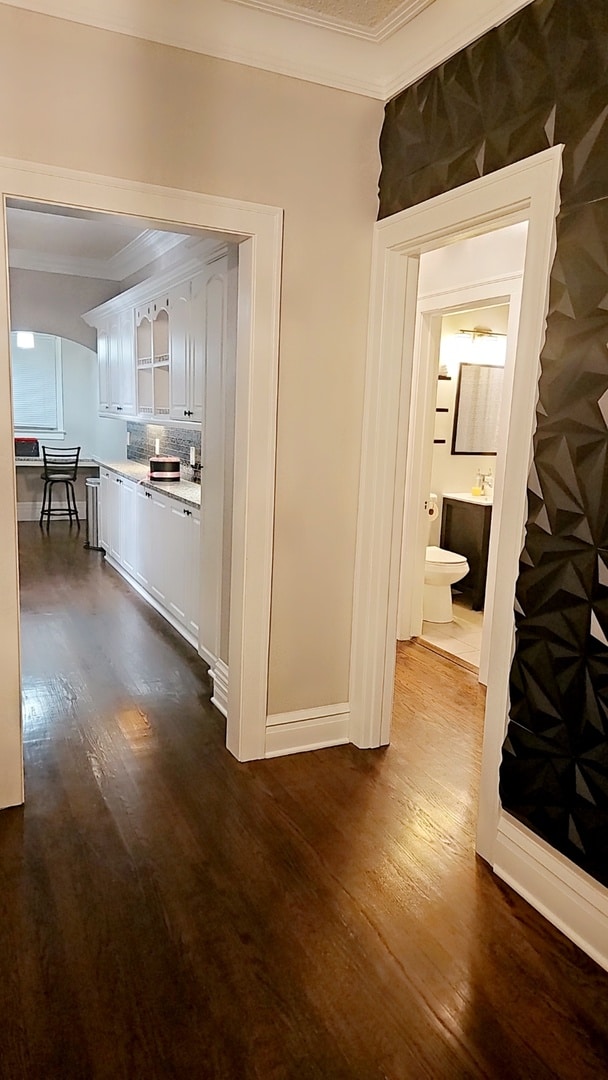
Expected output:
(461, 637)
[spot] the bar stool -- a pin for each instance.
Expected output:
(60, 467)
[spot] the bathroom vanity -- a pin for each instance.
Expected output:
(465, 528)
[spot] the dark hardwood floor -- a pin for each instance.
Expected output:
(167, 912)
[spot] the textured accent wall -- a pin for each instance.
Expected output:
(538, 80)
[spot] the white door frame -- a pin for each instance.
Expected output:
(419, 454)
(259, 229)
(528, 190)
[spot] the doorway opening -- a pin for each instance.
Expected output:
(525, 192)
(257, 230)
(120, 333)
(467, 321)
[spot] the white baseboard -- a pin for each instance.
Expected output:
(307, 729)
(568, 897)
(219, 674)
(30, 511)
(209, 657)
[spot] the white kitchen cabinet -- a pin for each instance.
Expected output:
(115, 533)
(117, 509)
(103, 370)
(105, 505)
(143, 536)
(182, 582)
(180, 300)
(159, 570)
(197, 335)
(116, 365)
(157, 340)
(155, 540)
(127, 510)
(126, 363)
(152, 358)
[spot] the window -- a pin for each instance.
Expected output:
(37, 390)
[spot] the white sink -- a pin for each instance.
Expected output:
(465, 496)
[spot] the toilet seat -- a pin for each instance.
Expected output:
(440, 556)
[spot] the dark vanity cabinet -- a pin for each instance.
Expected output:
(465, 529)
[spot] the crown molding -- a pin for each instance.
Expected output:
(72, 266)
(203, 254)
(466, 22)
(147, 247)
(144, 249)
(263, 39)
(406, 11)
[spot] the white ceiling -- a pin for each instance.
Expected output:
(337, 43)
(84, 245)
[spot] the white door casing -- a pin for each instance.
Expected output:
(258, 229)
(517, 193)
(527, 191)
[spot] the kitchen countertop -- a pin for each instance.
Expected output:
(84, 463)
(183, 490)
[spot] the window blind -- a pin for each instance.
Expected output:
(36, 384)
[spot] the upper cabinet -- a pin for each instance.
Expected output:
(197, 328)
(116, 373)
(154, 346)
(152, 358)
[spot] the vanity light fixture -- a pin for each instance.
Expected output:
(487, 347)
(482, 332)
(25, 339)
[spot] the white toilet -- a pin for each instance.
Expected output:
(442, 569)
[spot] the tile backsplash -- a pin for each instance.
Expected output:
(175, 441)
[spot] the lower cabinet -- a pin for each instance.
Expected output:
(156, 541)
(465, 528)
(182, 594)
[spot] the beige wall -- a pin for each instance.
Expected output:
(54, 303)
(91, 100)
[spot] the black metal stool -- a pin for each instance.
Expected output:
(60, 467)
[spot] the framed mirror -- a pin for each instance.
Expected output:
(477, 409)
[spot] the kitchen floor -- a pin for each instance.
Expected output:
(460, 638)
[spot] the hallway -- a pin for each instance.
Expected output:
(167, 912)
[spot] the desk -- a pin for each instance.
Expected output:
(29, 487)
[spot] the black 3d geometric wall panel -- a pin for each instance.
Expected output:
(541, 79)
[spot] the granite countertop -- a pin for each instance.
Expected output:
(183, 490)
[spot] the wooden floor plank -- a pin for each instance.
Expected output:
(168, 912)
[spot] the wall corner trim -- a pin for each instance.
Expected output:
(567, 896)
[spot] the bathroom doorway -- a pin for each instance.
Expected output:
(468, 305)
